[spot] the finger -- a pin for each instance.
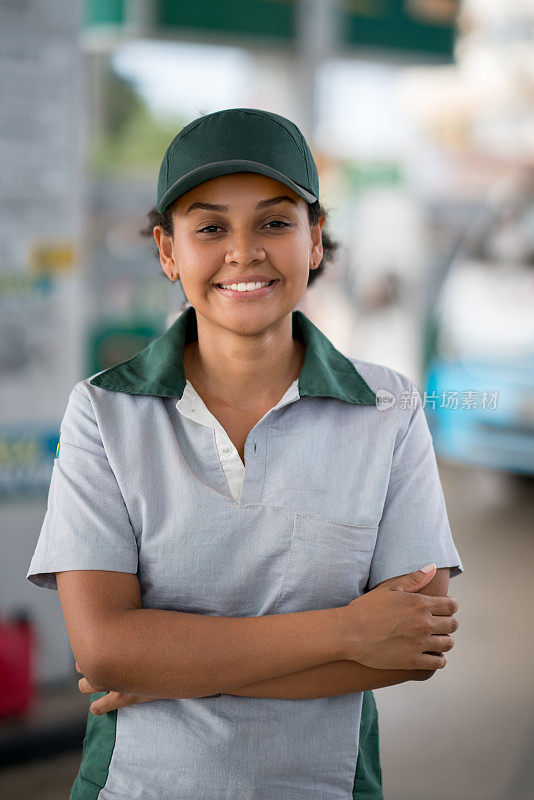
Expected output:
(442, 606)
(428, 661)
(109, 702)
(441, 643)
(85, 687)
(442, 625)
(115, 700)
(78, 668)
(112, 701)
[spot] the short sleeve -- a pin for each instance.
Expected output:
(414, 528)
(86, 525)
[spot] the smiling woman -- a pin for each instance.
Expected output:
(229, 507)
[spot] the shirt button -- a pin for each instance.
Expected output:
(226, 449)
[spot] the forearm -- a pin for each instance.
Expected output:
(327, 680)
(170, 654)
(341, 677)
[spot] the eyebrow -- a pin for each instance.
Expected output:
(262, 204)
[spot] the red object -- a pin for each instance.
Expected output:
(17, 647)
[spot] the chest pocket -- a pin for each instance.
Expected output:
(327, 565)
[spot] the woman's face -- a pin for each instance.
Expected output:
(237, 229)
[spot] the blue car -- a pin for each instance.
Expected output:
(483, 413)
(479, 382)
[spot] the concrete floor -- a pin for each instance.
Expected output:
(468, 733)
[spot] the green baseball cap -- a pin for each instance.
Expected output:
(237, 140)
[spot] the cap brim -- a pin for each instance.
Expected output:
(216, 168)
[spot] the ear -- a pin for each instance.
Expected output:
(166, 253)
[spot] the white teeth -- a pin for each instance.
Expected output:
(245, 287)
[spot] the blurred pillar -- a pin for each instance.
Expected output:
(317, 27)
(140, 16)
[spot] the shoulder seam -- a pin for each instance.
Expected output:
(412, 414)
(85, 397)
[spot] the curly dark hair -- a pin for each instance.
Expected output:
(315, 210)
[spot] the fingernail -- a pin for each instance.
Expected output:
(428, 568)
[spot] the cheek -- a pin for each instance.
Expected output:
(295, 267)
(196, 270)
(289, 256)
(295, 253)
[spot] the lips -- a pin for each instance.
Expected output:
(246, 279)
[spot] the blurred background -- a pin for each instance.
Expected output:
(420, 116)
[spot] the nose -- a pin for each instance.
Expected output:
(243, 248)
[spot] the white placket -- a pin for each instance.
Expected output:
(192, 406)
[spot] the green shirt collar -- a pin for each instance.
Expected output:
(158, 369)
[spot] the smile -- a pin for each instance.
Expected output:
(249, 290)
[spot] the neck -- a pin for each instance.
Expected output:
(242, 370)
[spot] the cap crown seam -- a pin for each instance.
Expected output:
(181, 135)
(281, 125)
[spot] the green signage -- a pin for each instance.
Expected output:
(405, 26)
(103, 12)
(266, 18)
(361, 176)
(415, 29)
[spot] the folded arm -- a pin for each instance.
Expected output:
(343, 677)
(118, 644)
(171, 654)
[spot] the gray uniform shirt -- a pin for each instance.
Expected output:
(337, 496)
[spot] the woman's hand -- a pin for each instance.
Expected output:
(110, 701)
(393, 626)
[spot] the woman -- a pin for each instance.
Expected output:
(240, 617)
